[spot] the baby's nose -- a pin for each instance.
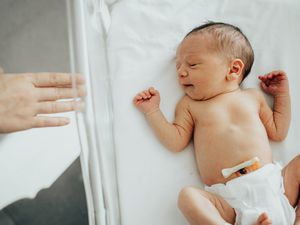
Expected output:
(182, 73)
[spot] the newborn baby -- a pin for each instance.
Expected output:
(231, 128)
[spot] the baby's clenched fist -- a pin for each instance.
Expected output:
(147, 101)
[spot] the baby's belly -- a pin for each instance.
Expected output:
(225, 151)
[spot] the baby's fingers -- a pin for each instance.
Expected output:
(264, 80)
(137, 98)
(263, 77)
(153, 91)
(276, 74)
(270, 76)
(142, 95)
(263, 86)
(146, 94)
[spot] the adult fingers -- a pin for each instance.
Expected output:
(56, 79)
(51, 94)
(58, 107)
(44, 121)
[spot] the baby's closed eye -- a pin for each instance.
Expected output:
(193, 65)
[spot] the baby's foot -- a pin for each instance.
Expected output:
(263, 219)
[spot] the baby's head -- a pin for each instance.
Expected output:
(212, 59)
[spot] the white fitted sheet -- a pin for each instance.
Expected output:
(141, 45)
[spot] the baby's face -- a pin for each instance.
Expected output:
(201, 70)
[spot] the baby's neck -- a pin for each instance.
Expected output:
(224, 92)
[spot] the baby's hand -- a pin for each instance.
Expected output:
(275, 83)
(147, 101)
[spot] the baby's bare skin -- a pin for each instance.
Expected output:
(217, 113)
(221, 134)
(228, 125)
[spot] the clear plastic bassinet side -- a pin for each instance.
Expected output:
(88, 23)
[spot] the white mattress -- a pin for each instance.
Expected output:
(141, 45)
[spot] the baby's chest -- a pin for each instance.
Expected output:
(214, 115)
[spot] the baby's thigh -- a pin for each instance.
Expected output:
(291, 180)
(225, 210)
(192, 196)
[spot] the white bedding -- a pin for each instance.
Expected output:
(141, 45)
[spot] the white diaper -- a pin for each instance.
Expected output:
(257, 192)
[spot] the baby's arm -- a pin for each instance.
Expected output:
(175, 136)
(276, 121)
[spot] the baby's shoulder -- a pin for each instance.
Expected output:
(256, 95)
(252, 92)
(185, 99)
(184, 102)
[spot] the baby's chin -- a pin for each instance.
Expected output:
(193, 96)
(196, 96)
(190, 91)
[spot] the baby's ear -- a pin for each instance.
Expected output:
(235, 70)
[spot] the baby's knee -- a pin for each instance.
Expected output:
(188, 196)
(297, 158)
(185, 197)
(297, 163)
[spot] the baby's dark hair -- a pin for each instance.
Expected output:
(230, 41)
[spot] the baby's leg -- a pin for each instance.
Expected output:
(291, 179)
(201, 207)
(297, 221)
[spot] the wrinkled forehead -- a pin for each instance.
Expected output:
(195, 44)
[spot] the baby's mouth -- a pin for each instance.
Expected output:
(185, 84)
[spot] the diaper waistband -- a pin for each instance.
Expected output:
(268, 176)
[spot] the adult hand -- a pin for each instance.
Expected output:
(23, 97)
